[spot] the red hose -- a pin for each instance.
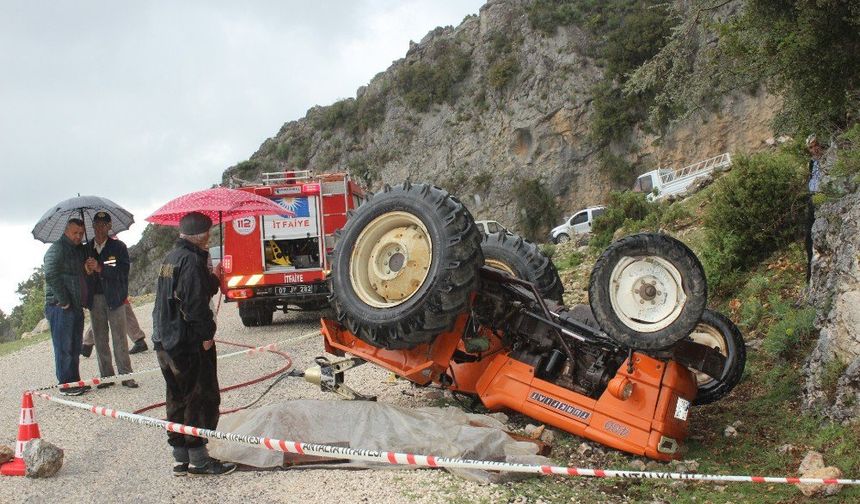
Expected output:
(237, 385)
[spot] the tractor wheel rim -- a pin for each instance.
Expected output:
(500, 265)
(646, 293)
(390, 260)
(711, 337)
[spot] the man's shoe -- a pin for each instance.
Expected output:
(130, 384)
(105, 385)
(212, 468)
(86, 350)
(71, 391)
(139, 346)
(180, 468)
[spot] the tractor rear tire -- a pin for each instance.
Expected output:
(717, 331)
(405, 266)
(524, 260)
(647, 291)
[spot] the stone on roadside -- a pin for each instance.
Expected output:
(6, 454)
(786, 448)
(811, 462)
(637, 465)
(534, 431)
(584, 449)
(730, 432)
(548, 436)
(821, 489)
(43, 459)
(737, 423)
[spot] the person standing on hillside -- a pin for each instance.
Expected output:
(65, 297)
(183, 335)
(109, 262)
(816, 173)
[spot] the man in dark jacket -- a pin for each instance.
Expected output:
(108, 259)
(65, 297)
(183, 335)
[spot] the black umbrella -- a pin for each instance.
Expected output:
(52, 225)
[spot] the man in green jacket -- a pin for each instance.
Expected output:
(65, 295)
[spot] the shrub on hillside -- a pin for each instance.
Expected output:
(424, 83)
(624, 209)
(754, 210)
(538, 210)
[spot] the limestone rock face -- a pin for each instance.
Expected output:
(832, 371)
(43, 459)
(491, 136)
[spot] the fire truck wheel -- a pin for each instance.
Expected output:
(717, 331)
(647, 291)
(405, 266)
(524, 260)
(255, 314)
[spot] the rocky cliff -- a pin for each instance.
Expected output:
(833, 370)
(518, 108)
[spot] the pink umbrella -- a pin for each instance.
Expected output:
(219, 204)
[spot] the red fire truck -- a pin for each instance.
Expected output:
(272, 262)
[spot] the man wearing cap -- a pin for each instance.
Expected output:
(109, 261)
(183, 335)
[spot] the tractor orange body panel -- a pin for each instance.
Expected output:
(652, 421)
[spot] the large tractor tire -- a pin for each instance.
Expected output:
(647, 291)
(405, 266)
(524, 260)
(717, 331)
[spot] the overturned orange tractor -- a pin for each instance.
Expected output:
(418, 291)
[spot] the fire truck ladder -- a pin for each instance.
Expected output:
(286, 177)
(696, 169)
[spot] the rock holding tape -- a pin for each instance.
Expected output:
(43, 459)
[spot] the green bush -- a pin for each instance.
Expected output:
(502, 72)
(848, 162)
(423, 83)
(538, 210)
(548, 249)
(31, 310)
(793, 328)
(754, 210)
(619, 171)
(674, 215)
(569, 261)
(624, 209)
(353, 115)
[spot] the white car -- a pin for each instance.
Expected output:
(578, 223)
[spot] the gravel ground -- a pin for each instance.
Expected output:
(114, 461)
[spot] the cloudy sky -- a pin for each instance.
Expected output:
(144, 101)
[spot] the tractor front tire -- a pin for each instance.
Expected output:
(717, 331)
(405, 266)
(523, 259)
(647, 291)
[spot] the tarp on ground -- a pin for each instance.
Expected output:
(442, 432)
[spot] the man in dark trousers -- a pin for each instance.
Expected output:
(109, 261)
(65, 297)
(183, 338)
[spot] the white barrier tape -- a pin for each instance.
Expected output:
(117, 378)
(396, 458)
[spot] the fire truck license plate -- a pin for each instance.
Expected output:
(290, 289)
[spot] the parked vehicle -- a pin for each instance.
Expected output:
(578, 223)
(664, 182)
(274, 261)
(489, 227)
